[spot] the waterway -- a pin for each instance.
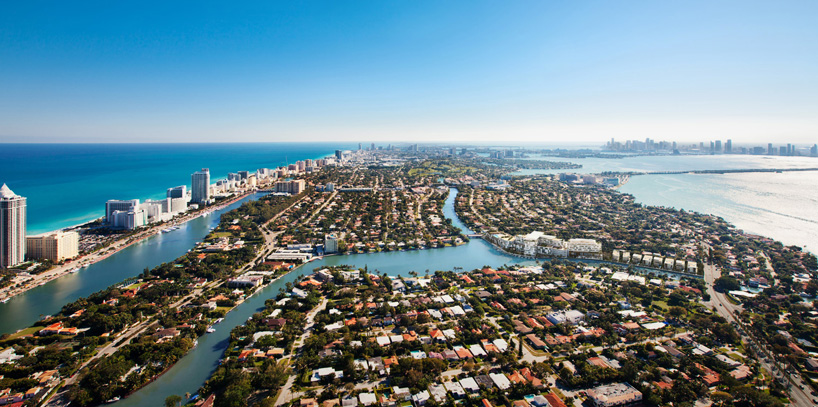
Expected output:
(192, 370)
(25, 309)
(190, 373)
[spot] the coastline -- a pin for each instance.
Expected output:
(45, 277)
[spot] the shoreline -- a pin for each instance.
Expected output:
(7, 293)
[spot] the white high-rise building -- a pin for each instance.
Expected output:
(330, 244)
(114, 205)
(200, 186)
(56, 246)
(131, 219)
(177, 192)
(157, 210)
(178, 199)
(12, 228)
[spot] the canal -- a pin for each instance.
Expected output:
(25, 309)
(192, 370)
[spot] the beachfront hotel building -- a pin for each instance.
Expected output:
(127, 214)
(200, 186)
(117, 205)
(56, 246)
(178, 199)
(12, 228)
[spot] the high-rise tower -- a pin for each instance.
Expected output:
(12, 228)
(200, 188)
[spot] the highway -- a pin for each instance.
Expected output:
(799, 390)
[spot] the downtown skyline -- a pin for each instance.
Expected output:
(529, 72)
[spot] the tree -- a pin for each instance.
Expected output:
(173, 400)
(726, 283)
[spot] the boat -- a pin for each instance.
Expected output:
(210, 330)
(5, 300)
(74, 270)
(113, 400)
(218, 320)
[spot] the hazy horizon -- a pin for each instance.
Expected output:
(594, 144)
(477, 72)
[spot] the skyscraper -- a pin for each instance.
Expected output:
(200, 186)
(177, 192)
(12, 228)
(728, 146)
(718, 146)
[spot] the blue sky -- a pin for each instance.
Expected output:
(476, 71)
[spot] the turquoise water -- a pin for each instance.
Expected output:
(194, 368)
(67, 184)
(25, 309)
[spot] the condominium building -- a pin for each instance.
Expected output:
(12, 228)
(331, 244)
(584, 246)
(200, 186)
(293, 187)
(56, 246)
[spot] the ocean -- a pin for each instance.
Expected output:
(68, 184)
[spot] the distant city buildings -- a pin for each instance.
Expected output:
(56, 246)
(715, 147)
(200, 186)
(12, 228)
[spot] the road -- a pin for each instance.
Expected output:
(60, 398)
(285, 396)
(103, 253)
(729, 311)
